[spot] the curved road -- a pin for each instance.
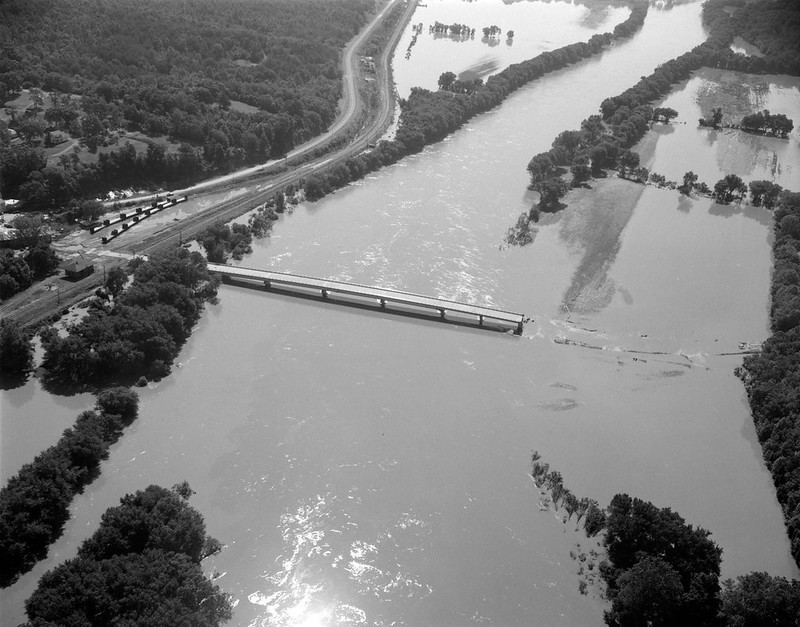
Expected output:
(48, 297)
(350, 104)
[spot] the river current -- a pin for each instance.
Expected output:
(367, 469)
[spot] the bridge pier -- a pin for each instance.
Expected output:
(325, 294)
(383, 303)
(480, 321)
(441, 313)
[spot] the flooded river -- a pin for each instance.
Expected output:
(367, 469)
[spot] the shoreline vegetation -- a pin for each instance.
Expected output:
(137, 335)
(772, 377)
(604, 141)
(427, 117)
(34, 504)
(660, 570)
(141, 567)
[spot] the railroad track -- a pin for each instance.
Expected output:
(38, 303)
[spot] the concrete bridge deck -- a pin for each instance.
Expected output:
(382, 297)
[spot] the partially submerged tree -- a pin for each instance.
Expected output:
(689, 180)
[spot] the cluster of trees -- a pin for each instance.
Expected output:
(729, 188)
(34, 504)
(455, 30)
(659, 570)
(427, 117)
(764, 122)
(772, 376)
(16, 350)
(141, 332)
(37, 261)
(448, 81)
(222, 240)
(553, 482)
(156, 68)
(141, 567)
(764, 193)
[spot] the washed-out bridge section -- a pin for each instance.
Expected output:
(377, 298)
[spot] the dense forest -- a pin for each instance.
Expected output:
(141, 331)
(34, 504)
(772, 376)
(141, 567)
(773, 28)
(171, 69)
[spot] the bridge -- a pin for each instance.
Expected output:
(378, 298)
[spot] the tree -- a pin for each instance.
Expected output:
(92, 209)
(664, 114)
(15, 275)
(581, 171)
(29, 229)
(650, 593)
(595, 520)
(781, 125)
(280, 202)
(550, 192)
(42, 260)
(729, 186)
(689, 179)
(115, 280)
(446, 80)
(31, 128)
(628, 162)
(16, 349)
(118, 401)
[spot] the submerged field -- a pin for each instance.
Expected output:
(673, 149)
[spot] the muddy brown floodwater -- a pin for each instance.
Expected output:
(366, 469)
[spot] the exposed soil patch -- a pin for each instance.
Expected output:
(594, 222)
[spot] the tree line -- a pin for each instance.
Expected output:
(660, 570)
(429, 116)
(162, 69)
(34, 504)
(141, 567)
(772, 376)
(140, 333)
